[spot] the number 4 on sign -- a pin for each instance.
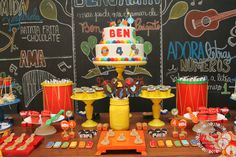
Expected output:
(225, 89)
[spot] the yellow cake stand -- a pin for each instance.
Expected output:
(156, 108)
(88, 100)
(119, 65)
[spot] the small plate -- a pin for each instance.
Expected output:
(219, 116)
(28, 119)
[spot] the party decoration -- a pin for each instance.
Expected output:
(178, 10)
(147, 47)
(92, 41)
(139, 39)
(85, 48)
(48, 9)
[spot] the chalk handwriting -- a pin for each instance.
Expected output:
(117, 14)
(232, 38)
(13, 7)
(32, 58)
(45, 33)
(99, 3)
(16, 21)
(148, 26)
(87, 28)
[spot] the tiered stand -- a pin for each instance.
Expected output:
(156, 108)
(88, 100)
(119, 65)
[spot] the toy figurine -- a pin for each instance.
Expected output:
(65, 126)
(174, 123)
(69, 115)
(72, 125)
(192, 116)
(182, 125)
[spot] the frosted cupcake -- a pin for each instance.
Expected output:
(144, 91)
(11, 98)
(151, 91)
(163, 91)
(99, 91)
(91, 93)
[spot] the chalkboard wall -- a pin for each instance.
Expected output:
(43, 40)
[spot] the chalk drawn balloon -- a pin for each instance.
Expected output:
(48, 9)
(147, 47)
(178, 10)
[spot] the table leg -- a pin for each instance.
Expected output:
(89, 114)
(156, 108)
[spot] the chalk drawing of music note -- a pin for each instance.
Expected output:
(13, 69)
(63, 66)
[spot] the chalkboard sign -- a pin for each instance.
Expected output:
(35, 45)
(201, 43)
(48, 39)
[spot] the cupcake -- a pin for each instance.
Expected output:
(35, 117)
(79, 92)
(163, 91)
(169, 90)
(11, 97)
(151, 91)
(45, 115)
(100, 91)
(144, 91)
(1, 101)
(91, 93)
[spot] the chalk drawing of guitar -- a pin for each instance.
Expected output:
(197, 22)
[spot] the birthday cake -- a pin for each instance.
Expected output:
(119, 43)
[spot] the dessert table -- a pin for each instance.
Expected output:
(104, 118)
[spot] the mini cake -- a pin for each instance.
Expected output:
(35, 117)
(45, 115)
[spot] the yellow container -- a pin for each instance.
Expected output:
(119, 114)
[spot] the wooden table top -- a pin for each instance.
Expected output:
(41, 151)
